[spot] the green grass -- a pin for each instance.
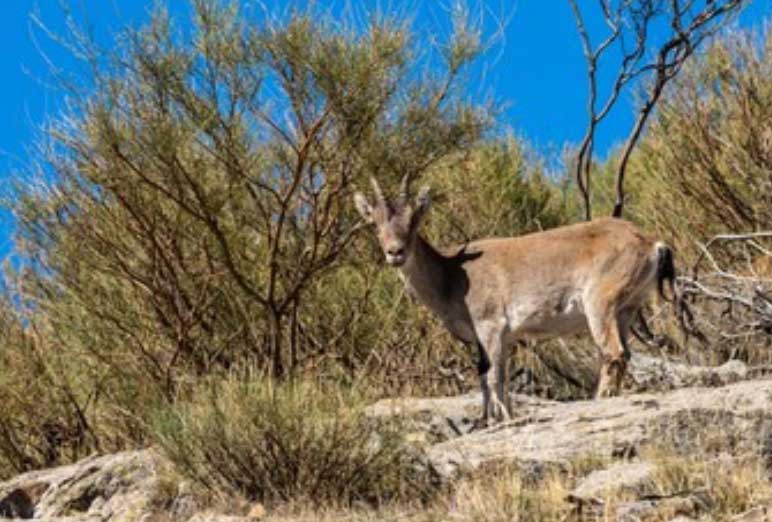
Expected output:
(292, 442)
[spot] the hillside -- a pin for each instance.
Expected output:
(695, 453)
(228, 294)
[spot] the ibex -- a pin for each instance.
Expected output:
(494, 292)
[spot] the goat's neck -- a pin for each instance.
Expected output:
(425, 274)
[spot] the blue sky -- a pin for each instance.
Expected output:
(536, 68)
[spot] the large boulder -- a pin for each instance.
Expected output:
(727, 419)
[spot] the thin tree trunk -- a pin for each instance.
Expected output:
(640, 123)
(294, 337)
(274, 330)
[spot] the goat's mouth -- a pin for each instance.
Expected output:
(396, 261)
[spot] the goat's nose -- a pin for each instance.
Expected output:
(395, 251)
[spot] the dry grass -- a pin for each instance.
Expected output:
(505, 495)
(717, 490)
(729, 486)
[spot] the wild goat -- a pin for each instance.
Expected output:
(494, 292)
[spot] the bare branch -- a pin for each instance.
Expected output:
(633, 19)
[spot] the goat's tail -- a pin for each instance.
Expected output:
(666, 272)
(666, 275)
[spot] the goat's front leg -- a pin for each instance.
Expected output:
(498, 403)
(483, 366)
(503, 381)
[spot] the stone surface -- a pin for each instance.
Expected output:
(216, 517)
(118, 488)
(444, 418)
(626, 476)
(658, 509)
(123, 487)
(658, 374)
(723, 419)
(257, 511)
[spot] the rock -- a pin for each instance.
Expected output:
(216, 517)
(680, 508)
(657, 509)
(443, 418)
(116, 488)
(757, 514)
(548, 433)
(655, 373)
(624, 476)
(636, 511)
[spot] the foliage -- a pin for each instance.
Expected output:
(705, 165)
(294, 441)
(191, 215)
(42, 401)
(497, 189)
(203, 188)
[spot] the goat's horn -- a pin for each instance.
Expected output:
(403, 188)
(378, 192)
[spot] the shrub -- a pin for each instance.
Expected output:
(190, 216)
(705, 166)
(499, 189)
(192, 201)
(294, 441)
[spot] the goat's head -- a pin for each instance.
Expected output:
(396, 222)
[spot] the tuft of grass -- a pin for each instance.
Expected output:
(292, 442)
(694, 485)
(505, 494)
(730, 485)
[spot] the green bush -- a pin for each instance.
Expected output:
(497, 189)
(44, 420)
(294, 441)
(705, 165)
(192, 215)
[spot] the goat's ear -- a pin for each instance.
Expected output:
(364, 208)
(422, 202)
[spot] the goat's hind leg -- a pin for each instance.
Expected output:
(609, 330)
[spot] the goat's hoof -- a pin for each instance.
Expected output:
(479, 424)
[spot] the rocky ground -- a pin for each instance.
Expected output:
(719, 417)
(734, 418)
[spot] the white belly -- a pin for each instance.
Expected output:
(547, 318)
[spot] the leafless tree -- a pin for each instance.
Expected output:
(630, 24)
